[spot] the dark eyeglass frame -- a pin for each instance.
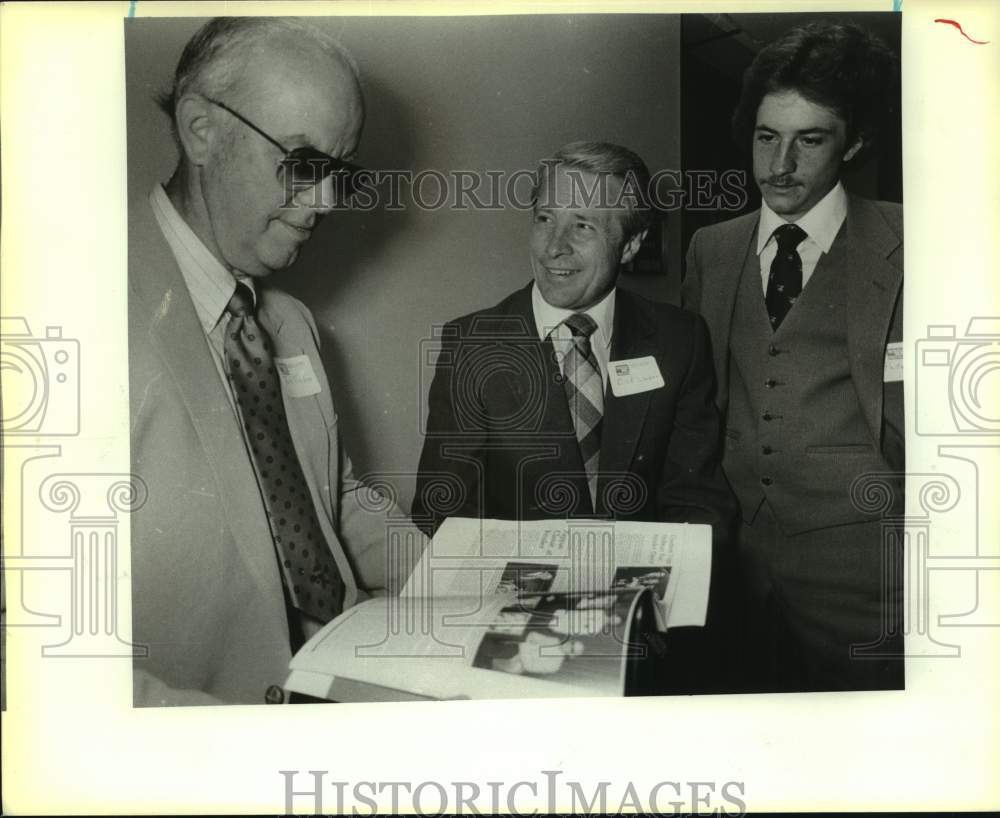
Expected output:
(303, 168)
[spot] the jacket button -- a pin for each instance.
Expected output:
(772, 350)
(767, 416)
(766, 481)
(770, 383)
(274, 695)
(767, 450)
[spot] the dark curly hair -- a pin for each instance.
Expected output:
(841, 67)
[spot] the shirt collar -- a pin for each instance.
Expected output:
(211, 285)
(549, 318)
(821, 223)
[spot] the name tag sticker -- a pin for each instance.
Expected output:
(634, 375)
(297, 377)
(893, 362)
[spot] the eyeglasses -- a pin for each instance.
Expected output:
(304, 168)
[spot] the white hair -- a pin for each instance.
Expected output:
(214, 59)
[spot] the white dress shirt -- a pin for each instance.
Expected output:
(210, 284)
(549, 321)
(821, 224)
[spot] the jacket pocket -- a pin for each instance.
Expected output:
(853, 448)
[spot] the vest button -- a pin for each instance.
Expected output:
(766, 481)
(767, 450)
(767, 416)
(770, 383)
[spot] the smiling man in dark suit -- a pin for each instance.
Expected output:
(803, 300)
(574, 398)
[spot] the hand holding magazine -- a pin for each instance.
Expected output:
(503, 609)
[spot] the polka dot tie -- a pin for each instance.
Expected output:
(585, 393)
(310, 574)
(784, 284)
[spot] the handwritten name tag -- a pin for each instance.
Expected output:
(893, 362)
(297, 377)
(634, 375)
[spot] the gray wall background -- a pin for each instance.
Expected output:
(444, 93)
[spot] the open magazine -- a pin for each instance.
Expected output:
(506, 609)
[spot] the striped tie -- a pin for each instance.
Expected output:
(585, 393)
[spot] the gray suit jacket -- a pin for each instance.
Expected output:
(206, 590)
(873, 237)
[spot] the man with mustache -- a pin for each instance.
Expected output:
(255, 532)
(803, 300)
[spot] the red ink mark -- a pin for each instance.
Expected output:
(967, 37)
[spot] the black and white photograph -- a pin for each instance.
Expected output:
(577, 640)
(526, 578)
(381, 378)
(655, 579)
(319, 221)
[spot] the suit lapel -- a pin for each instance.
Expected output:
(556, 424)
(177, 335)
(730, 261)
(624, 417)
(307, 421)
(522, 375)
(873, 285)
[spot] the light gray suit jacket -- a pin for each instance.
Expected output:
(873, 278)
(206, 590)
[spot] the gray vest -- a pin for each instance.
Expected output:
(796, 436)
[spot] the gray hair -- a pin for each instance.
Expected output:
(608, 159)
(213, 60)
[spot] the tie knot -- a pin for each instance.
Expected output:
(788, 236)
(581, 325)
(241, 303)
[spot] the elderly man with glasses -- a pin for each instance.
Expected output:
(255, 532)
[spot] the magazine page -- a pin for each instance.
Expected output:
(538, 645)
(473, 557)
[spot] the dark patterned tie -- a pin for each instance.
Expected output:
(312, 580)
(784, 284)
(585, 393)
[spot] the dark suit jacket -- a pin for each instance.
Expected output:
(500, 444)
(500, 440)
(873, 278)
